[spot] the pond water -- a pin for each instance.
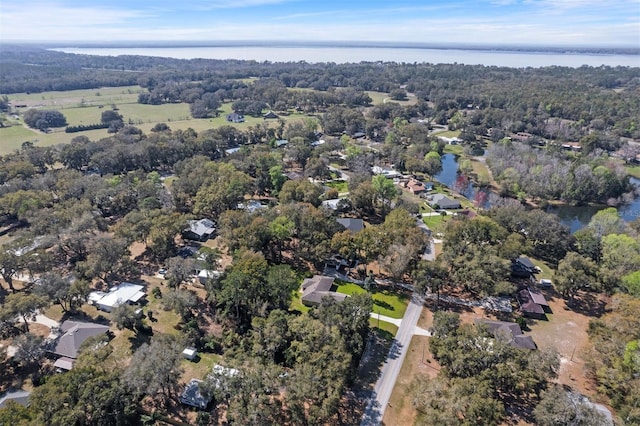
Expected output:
(573, 217)
(460, 183)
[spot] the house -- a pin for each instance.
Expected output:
(281, 142)
(316, 288)
(230, 151)
(18, 396)
(199, 230)
(117, 295)
(195, 396)
(441, 201)
(252, 206)
(294, 175)
(358, 135)
(533, 303)
(415, 187)
(450, 141)
(523, 267)
(205, 275)
(235, 118)
(270, 114)
(68, 345)
(340, 264)
(508, 332)
(353, 225)
(388, 173)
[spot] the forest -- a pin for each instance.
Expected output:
(81, 216)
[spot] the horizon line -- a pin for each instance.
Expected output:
(327, 43)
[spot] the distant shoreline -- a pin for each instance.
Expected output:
(597, 50)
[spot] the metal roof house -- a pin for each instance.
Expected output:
(199, 230)
(117, 295)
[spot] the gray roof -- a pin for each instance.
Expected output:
(75, 334)
(353, 225)
(18, 396)
(193, 396)
(509, 332)
(201, 227)
(316, 288)
(444, 202)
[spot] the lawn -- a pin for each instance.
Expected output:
(386, 328)
(340, 185)
(633, 171)
(453, 149)
(384, 302)
(437, 224)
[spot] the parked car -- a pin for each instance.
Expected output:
(545, 283)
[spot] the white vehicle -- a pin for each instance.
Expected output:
(545, 283)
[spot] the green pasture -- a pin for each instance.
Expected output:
(105, 96)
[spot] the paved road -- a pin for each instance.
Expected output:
(382, 391)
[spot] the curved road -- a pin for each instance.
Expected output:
(381, 394)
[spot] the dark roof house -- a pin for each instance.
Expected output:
(316, 288)
(508, 332)
(75, 334)
(194, 396)
(533, 303)
(199, 230)
(235, 118)
(270, 114)
(353, 225)
(522, 267)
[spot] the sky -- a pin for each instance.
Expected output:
(498, 22)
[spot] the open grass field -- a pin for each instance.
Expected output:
(384, 326)
(73, 98)
(84, 107)
(378, 98)
(384, 302)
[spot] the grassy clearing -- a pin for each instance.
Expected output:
(386, 329)
(633, 171)
(200, 368)
(72, 98)
(450, 134)
(341, 186)
(296, 303)
(384, 302)
(453, 149)
(436, 223)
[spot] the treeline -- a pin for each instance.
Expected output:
(83, 127)
(523, 171)
(538, 101)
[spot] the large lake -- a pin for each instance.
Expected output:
(517, 59)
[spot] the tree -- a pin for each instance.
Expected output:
(23, 305)
(29, 348)
(86, 395)
(432, 163)
(575, 273)
(124, 316)
(620, 256)
(431, 276)
(179, 270)
(10, 265)
(385, 191)
(107, 255)
(559, 407)
(181, 302)
(69, 293)
(155, 368)
(397, 259)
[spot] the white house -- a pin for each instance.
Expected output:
(117, 295)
